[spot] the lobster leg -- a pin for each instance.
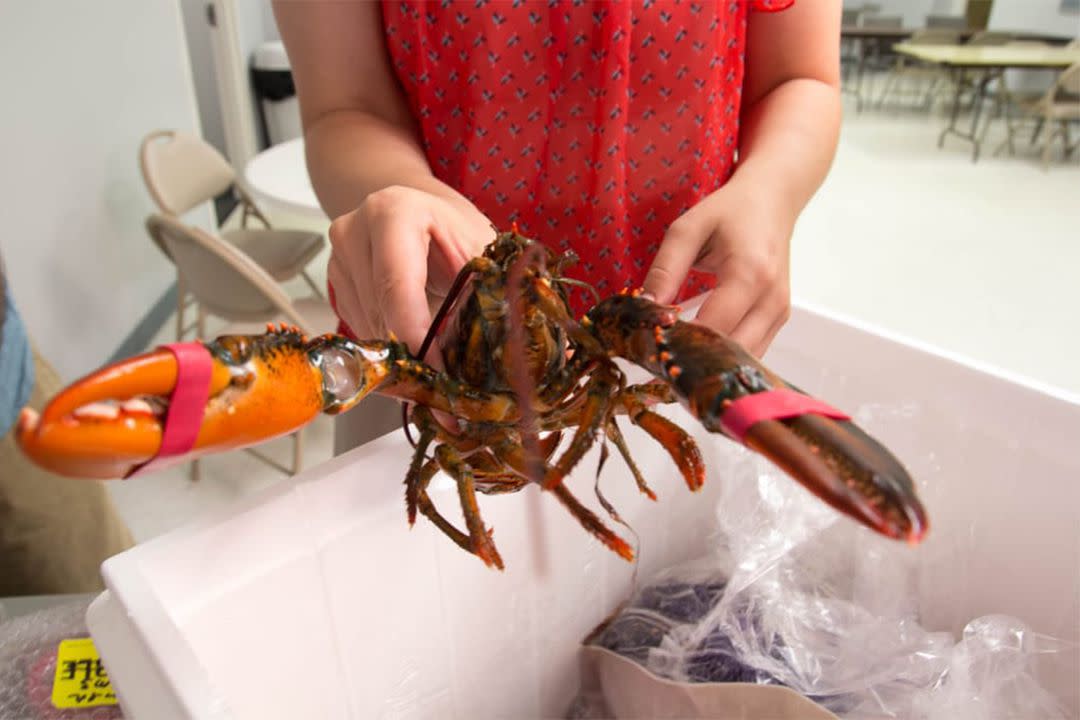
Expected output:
(682, 448)
(449, 458)
(591, 522)
(615, 435)
(416, 469)
(428, 509)
(480, 542)
(593, 419)
(509, 451)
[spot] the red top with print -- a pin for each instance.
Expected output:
(592, 125)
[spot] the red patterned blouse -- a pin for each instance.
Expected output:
(592, 125)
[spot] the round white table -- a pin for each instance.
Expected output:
(278, 178)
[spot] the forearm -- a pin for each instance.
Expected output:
(360, 136)
(788, 140)
(352, 154)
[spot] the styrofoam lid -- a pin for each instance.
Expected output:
(270, 56)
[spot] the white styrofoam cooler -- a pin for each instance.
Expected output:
(314, 599)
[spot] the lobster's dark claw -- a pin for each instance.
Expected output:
(709, 373)
(851, 471)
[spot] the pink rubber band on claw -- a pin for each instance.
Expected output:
(187, 405)
(776, 404)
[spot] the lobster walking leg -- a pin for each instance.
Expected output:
(416, 469)
(427, 507)
(682, 448)
(592, 419)
(480, 542)
(615, 435)
(510, 452)
(591, 522)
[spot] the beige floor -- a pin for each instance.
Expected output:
(982, 260)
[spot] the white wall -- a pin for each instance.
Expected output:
(81, 83)
(255, 25)
(914, 12)
(270, 28)
(197, 33)
(1034, 16)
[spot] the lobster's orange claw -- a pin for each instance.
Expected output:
(105, 424)
(112, 421)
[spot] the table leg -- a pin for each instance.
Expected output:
(976, 113)
(958, 81)
(854, 86)
(971, 135)
(867, 47)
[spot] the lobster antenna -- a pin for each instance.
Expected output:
(580, 284)
(433, 329)
(519, 375)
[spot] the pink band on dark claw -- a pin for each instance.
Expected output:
(776, 404)
(187, 404)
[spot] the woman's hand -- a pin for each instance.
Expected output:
(740, 235)
(394, 258)
(790, 124)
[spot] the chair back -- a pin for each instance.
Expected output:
(224, 280)
(182, 171)
(1067, 87)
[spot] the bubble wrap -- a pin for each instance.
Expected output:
(787, 596)
(28, 664)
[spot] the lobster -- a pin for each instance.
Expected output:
(519, 371)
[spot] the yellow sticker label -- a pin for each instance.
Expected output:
(81, 680)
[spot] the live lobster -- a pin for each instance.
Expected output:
(519, 370)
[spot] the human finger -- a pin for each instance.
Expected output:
(727, 304)
(677, 254)
(346, 298)
(777, 326)
(753, 328)
(399, 266)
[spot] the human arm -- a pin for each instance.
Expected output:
(789, 132)
(397, 230)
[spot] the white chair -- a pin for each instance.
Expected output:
(1056, 108)
(229, 284)
(182, 172)
(926, 76)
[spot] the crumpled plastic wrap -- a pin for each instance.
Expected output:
(28, 645)
(797, 596)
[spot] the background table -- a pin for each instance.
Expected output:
(278, 178)
(900, 33)
(988, 61)
(877, 40)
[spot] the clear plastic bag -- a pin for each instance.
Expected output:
(28, 645)
(795, 596)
